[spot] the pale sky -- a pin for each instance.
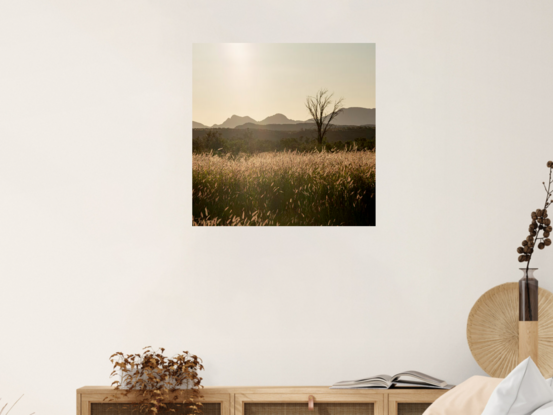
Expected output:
(260, 80)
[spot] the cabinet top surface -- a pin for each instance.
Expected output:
(275, 389)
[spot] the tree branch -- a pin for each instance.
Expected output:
(317, 106)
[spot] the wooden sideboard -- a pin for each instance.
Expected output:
(276, 400)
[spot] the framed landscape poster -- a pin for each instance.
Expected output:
(284, 134)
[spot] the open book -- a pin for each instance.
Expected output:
(408, 379)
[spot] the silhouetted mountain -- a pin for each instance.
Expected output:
(234, 121)
(198, 125)
(278, 119)
(354, 116)
(279, 127)
(349, 116)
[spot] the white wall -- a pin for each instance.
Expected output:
(97, 254)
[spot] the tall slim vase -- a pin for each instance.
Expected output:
(528, 316)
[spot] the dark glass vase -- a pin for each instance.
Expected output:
(528, 296)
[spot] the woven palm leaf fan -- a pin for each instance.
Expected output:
(492, 330)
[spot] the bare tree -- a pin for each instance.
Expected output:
(317, 106)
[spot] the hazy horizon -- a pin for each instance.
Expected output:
(260, 80)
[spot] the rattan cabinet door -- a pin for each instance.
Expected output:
(414, 403)
(407, 408)
(103, 408)
(97, 404)
(297, 404)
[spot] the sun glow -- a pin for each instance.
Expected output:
(239, 52)
(239, 69)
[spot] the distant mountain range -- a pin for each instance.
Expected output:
(354, 116)
(198, 125)
(278, 119)
(349, 116)
(236, 121)
(279, 127)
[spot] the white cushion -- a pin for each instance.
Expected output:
(546, 409)
(522, 392)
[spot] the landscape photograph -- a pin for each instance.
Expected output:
(284, 134)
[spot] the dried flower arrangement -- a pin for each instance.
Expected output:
(158, 379)
(540, 222)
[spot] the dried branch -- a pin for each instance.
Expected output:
(9, 410)
(540, 223)
(317, 107)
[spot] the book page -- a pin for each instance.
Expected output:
(421, 376)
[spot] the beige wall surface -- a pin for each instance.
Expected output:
(97, 252)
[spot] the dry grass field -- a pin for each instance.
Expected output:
(285, 189)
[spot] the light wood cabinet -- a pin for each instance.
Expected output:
(285, 400)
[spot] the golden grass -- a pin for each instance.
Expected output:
(284, 188)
